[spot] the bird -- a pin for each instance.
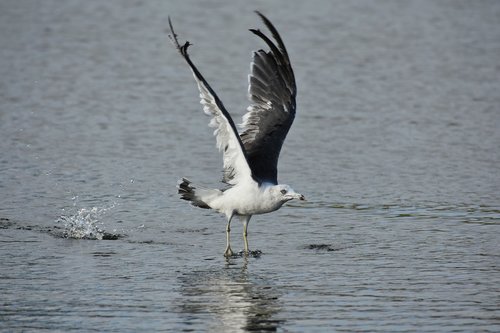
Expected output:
(250, 156)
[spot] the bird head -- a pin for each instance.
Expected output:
(286, 193)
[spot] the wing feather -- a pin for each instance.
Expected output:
(272, 92)
(236, 167)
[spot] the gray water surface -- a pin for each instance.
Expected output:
(395, 145)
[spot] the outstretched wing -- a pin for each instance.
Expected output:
(236, 167)
(272, 93)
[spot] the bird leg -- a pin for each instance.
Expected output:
(228, 252)
(245, 233)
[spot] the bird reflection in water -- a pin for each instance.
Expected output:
(230, 300)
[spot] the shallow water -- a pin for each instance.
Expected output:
(395, 145)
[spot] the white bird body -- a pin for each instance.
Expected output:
(250, 158)
(247, 199)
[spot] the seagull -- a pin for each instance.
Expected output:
(250, 157)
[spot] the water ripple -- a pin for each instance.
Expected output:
(467, 213)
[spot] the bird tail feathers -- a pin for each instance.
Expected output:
(198, 196)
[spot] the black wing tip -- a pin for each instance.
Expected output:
(274, 32)
(266, 21)
(277, 46)
(256, 32)
(173, 38)
(263, 17)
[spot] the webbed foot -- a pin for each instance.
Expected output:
(228, 253)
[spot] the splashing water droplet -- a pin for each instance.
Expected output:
(84, 224)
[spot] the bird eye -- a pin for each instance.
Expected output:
(283, 191)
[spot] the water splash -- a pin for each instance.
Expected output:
(85, 224)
